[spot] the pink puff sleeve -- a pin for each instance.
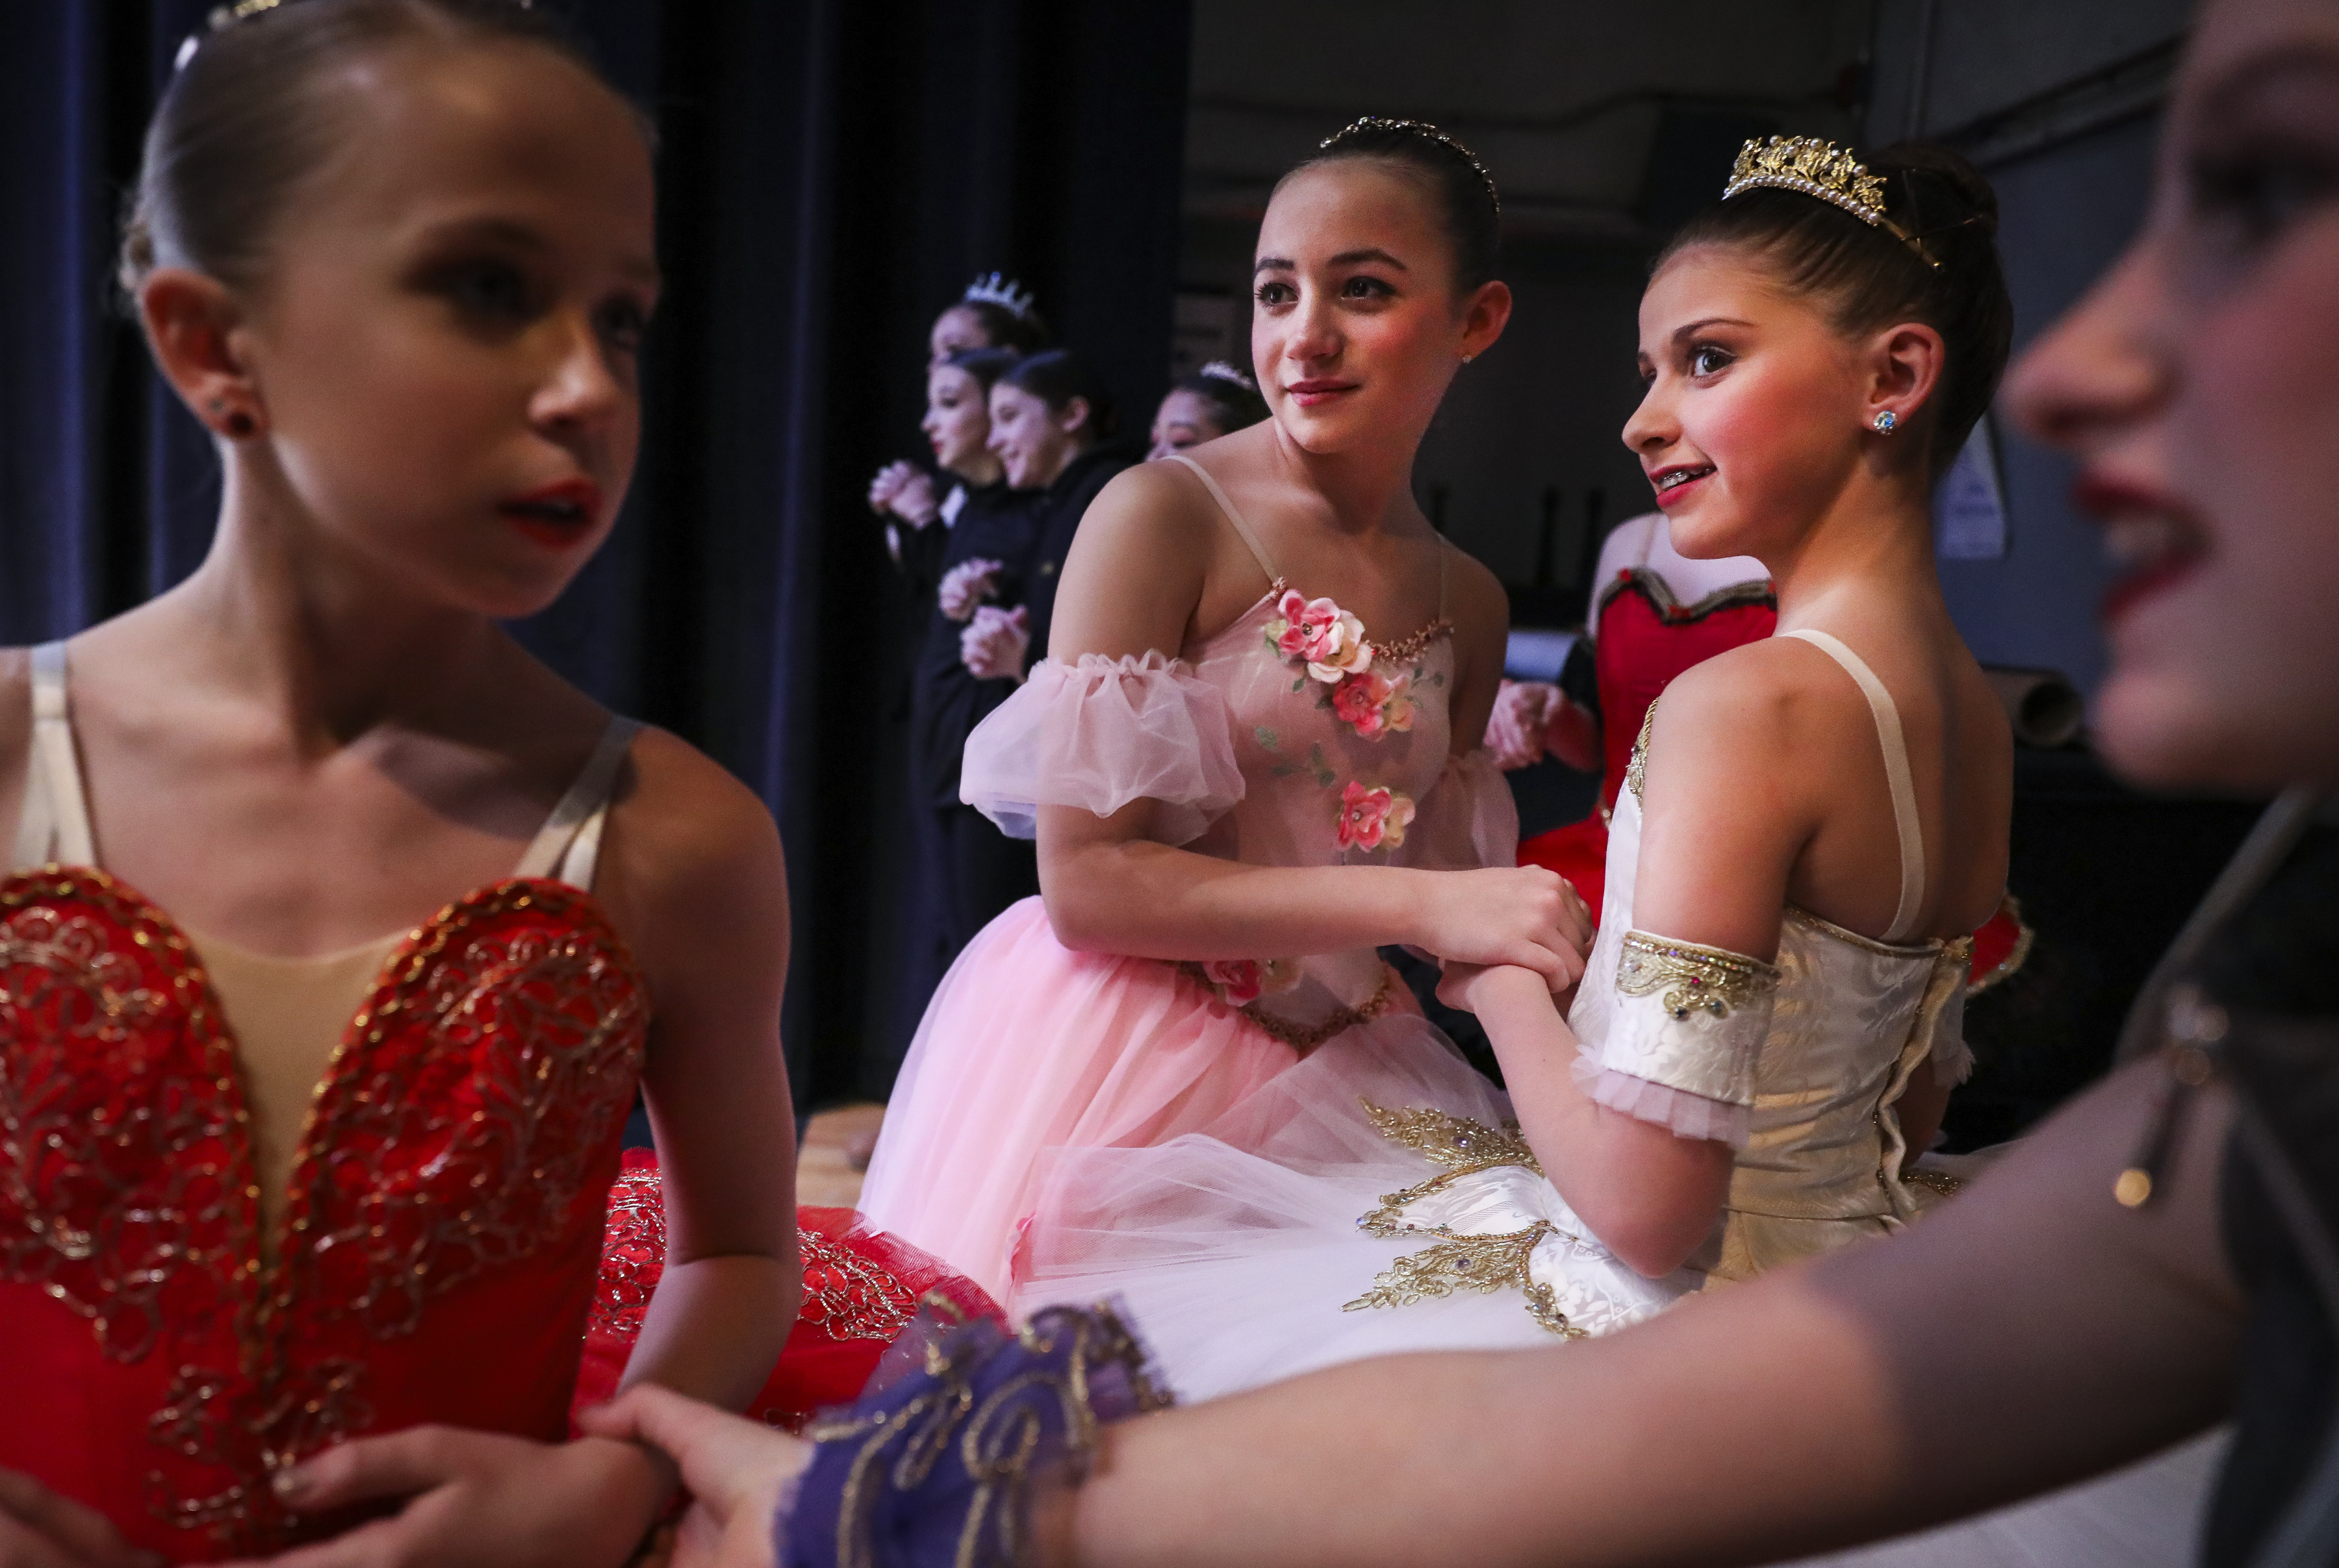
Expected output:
(1100, 734)
(1468, 819)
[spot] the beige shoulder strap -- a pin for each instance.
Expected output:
(1905, 821)
(53, 824)
(568, 846)
(1249, 539)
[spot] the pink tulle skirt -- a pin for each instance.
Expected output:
(1028, 1046)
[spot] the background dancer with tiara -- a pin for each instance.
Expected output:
(994, 314)
(1253, 737)
(1216, 400)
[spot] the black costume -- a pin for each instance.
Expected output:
(2270, 971)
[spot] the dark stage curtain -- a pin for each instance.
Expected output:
(831, 172)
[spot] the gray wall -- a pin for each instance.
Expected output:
(2063, 215)
(2059, 104)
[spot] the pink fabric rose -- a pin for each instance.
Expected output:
(1375, 703)
(1373, 818)
(1328, 638)
(965, 585)
(1243, 981)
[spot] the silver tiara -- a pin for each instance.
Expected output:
(228, 15)
(1220, 370)
(997, 289)
(1425, 132)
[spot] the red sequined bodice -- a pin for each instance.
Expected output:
(1647, 637)
(438, 1250)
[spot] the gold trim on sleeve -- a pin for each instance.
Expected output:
(1711, 978)
(1638, 768)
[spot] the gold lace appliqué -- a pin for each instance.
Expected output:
(1711, 978)
(1637, 768)
(1305, 1037)
(1454, 1261)
(1408, 648)
(850, 1296)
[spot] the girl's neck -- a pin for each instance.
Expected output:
(979, 471)
(326, 641)
(1364, 491)
(1876, 538)
(1073, 452)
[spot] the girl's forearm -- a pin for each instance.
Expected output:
(716, 1324)
(1649, 1195)
(1148, 899)
(1601, 1452)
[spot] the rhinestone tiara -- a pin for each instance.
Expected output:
(996, 288)
(1427, 133)
(1818, 167)
(1220, 370)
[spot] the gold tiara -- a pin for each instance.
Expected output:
(1819, 168)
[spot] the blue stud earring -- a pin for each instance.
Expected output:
(1886, 422)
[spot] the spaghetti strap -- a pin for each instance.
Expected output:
(568, 846)
(1445, 574)
(1905, 821)
(53, 826)
(1249, 539)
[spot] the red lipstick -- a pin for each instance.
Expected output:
(556, 515)
(2150, 535)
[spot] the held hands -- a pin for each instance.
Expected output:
(906, 491)
(734, 1468)
(1515, 729)
(1532, 718)
(479, 1498)
(995, 642)
(1523, 916)
(966, 586)
(39, 1529)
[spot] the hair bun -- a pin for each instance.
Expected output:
(1931, 189)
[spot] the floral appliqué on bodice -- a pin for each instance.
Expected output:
(461, 1144)
(1338, 738)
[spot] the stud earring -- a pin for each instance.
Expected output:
(1886, 422)
(1467, 358)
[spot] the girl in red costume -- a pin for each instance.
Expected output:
(1655, 614)
(338, 931)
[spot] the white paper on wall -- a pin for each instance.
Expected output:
(1969, 504)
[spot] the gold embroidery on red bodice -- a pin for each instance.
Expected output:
(468, 1121)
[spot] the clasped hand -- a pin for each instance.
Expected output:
(1521, 916)
(906, 491)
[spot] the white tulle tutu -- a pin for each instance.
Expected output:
(1240, 1253)
(2148, 1515)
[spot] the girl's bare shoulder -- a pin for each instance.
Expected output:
(1478, 606)
(15, 737)
(692, 868)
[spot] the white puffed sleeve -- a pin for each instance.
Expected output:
(1468, 819)
(1684, 1037)
(1100, 734)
